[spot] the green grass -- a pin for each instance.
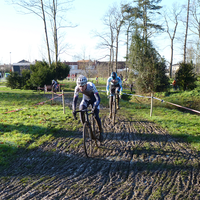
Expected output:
(33, 124)
(179, 122)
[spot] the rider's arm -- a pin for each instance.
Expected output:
(120, 83)
(96, 95)
(98, 99)
(76, 93)
(108, 82)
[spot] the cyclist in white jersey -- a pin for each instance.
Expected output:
(90, 97)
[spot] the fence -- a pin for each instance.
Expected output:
(152, 97)
(41, 103)
(151, 107)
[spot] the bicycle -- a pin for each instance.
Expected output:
(113, 106)
(91, 132)
(55, 88)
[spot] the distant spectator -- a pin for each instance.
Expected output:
(97, 79)
(174, 84)
(131, 87)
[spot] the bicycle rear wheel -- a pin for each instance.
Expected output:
(88, 142)
(113, 110)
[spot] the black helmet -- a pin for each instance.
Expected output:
(113, 75)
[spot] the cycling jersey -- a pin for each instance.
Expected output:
(115, 83)
(90, 96)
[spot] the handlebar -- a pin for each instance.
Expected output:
(113, 95)
(85, 110)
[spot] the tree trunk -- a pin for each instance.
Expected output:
(127, 43)
(46, 35)
(171, 61)
(109, 69)
(186, 32)
(116, 53)
(55, 32)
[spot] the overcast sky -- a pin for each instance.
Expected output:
(22, 36)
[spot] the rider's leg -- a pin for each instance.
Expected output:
(98, 119)
(111, 100)
(82, 106)
(96, 115)
(112, 92)
(117, 97)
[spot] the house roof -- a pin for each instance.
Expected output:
(23, 61)
(85, 61)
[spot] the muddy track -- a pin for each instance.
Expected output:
(136, 160)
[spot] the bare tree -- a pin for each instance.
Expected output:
(107, 37)
(186, 32)
(172, 18)
(113, 20)
(118, 22)
(106, 43)
(57, 18)
(36, 7)
(46, 9)
(102, 69)
(55, 31)
(195, 29)
(129, 19)
(87, 67)
(195, 17)
(190, 53)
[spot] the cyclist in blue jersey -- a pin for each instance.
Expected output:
(54, 85)
(90, 97)
(115, 84)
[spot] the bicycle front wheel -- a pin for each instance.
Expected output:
(88, 142)
(95, 130)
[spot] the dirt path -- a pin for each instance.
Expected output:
(137, 160)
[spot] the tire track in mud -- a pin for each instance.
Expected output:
(136, 160)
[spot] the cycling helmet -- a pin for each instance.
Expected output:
(113, 75)
(81, 81)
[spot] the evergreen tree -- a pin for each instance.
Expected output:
(14, 81)
(186, 77)
(144, 13)
(149, 65)
(60, 71)
(143, 57)
(41, 74)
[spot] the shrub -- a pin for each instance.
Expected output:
(41, 74)
(60, 71)
(14, 81)
(186, 77)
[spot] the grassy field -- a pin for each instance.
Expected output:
(24, 124)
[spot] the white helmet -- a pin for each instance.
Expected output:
(81, 81)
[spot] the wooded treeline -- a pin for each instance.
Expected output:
(137, 24)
